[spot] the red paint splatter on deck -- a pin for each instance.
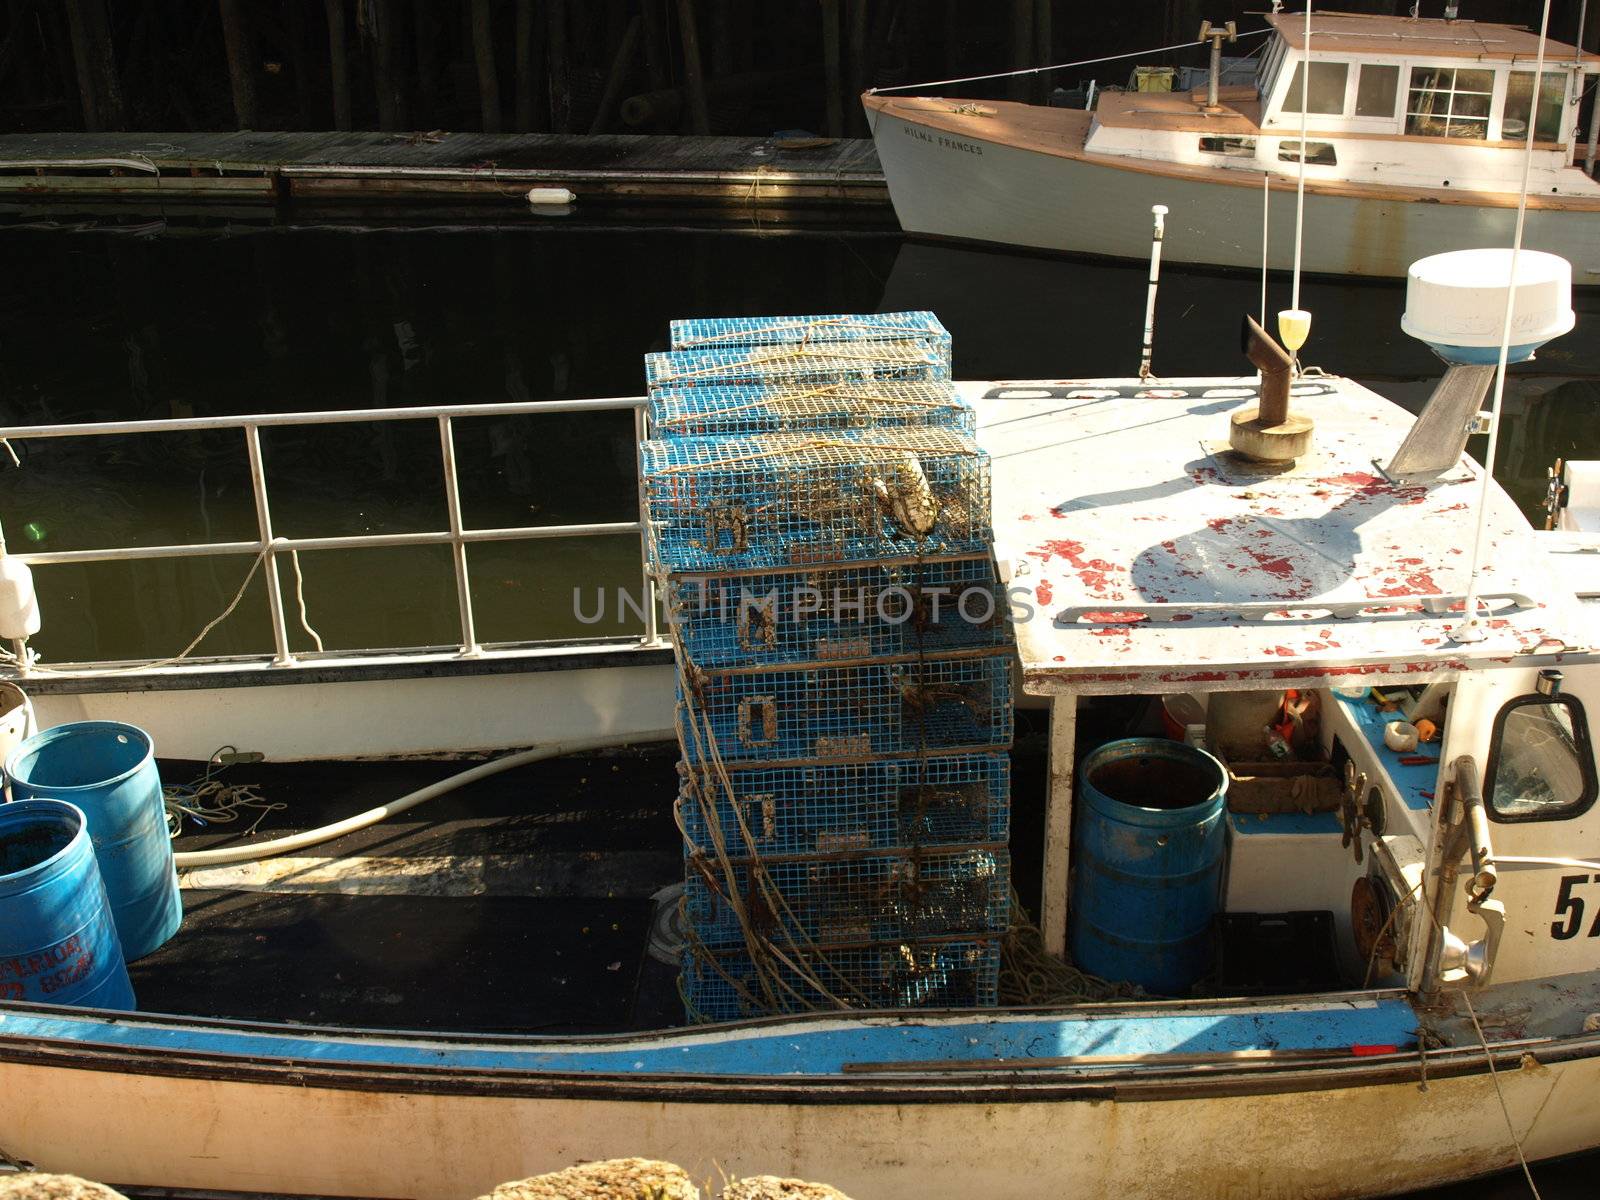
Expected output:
(1095, 572)
(1025, 517)
(1043, 592)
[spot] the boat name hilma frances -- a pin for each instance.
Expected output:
(939, 140)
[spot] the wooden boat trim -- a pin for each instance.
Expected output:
(1004, 130)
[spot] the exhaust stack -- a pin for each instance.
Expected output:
(1269, 432)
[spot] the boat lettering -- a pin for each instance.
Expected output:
(1570, 908)
(938, 139)
(70, 975)
(32, 964)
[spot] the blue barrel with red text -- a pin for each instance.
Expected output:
(108, 769)
(58, 943)
(1148, 871)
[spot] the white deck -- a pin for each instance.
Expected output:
(1113, 498)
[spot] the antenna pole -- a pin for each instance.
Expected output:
(1471, 628)
(1159, 211)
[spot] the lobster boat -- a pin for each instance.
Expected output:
(1232, 830)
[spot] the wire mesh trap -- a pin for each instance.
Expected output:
(930, 801)
(873, 610)
(908, 893)
(960, 973)
(698, 333)
(850, 712)
(769, 500)
(822, 362)
(723, 411)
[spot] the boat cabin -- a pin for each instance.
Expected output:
(1459, 94)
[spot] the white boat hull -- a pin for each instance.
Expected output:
(987, 191)
(301, 1136)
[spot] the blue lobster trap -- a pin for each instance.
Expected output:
(958, 973)
(821, 362)
(911, 892)
(928, 800)
(703, 333)
(827, 614)
(740, 409)
(771, 500)
(866, 710)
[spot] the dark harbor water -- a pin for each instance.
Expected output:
(173, 320)
(177, 321)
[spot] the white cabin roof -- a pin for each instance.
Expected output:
(1116, 497)
(1359, 33)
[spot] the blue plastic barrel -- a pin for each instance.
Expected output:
(1150, 840)
(58, 944)
(108, 769)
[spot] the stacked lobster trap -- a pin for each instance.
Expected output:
(820, 529)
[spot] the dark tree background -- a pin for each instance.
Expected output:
(573, 66)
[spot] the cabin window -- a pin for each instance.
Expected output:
(1231, 147)
(1327, 88)
(1449, 102)
(1519, 97)
(1318, 154)
(1377, 86)
(1540, 765)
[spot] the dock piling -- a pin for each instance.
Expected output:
(338, 63)
(237, 41)
(488, 74)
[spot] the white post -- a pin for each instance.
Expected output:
(1160, 213)
(1058, 823)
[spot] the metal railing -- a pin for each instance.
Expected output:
(458, 536)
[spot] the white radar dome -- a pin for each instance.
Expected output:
(1456, 303)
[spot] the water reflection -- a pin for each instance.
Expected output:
(177, 322)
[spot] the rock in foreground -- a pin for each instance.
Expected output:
(614, 1179)
(35, 1186)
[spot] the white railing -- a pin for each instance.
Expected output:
(458, 537)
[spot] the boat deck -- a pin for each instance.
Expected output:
(1155, 557)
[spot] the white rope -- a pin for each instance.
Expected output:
(1470, 625)
(1300, 185)
(1083, 62)
(300, 599)
(1488, 1055)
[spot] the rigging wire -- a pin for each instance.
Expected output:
(1470, 628)
(1300, 185)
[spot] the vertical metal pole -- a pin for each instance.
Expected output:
(458, 548)
(1216, 71)
(652, 631)
(1300, 185)
(258, 484)
(1058, 823)
(1160, 212)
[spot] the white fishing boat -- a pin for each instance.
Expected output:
(1415, 130)
(1423, 1010)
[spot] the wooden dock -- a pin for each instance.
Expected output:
(276, 168)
